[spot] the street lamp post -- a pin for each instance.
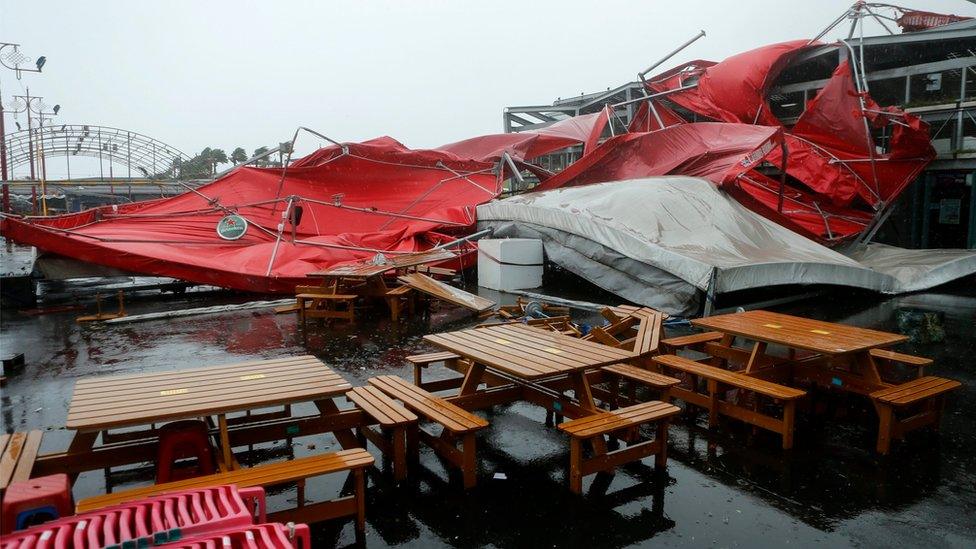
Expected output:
(29, 107)
(12, 58)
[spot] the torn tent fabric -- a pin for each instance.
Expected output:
(340, 204)
(711, 150)
(838, 176)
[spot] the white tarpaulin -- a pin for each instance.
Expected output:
(662, 241)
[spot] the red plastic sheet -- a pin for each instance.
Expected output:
(715, 151)
(735, 89)
(355, 201)
(838, 177)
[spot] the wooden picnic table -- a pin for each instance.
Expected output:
(528, 355)
(112, 402)
(364, 271)
(829, 343)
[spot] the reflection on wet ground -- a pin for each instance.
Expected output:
(727, 487)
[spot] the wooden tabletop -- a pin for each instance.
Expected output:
(107, 402)
(436, 288)
(368, 270)
(526, 352)
(799, 333)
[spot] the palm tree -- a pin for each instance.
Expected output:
(217, 156)
(238, 156)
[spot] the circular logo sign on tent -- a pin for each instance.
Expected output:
(231, 227)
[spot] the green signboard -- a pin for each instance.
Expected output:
(231, 227)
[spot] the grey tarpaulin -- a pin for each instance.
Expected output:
(656, 241)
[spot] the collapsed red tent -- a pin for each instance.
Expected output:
(263, 229)
(838, 178)
(714, 151)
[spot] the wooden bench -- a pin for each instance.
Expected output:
(693, 341)
(909, 360)
(398, 299)
(396, 426)
(340, 306)
(459, 424)
(717, 378)
(422, 361)
(649, 332)
(295, 471)
(923, 398)
(636, 375)
(18, 452)
(593, 428)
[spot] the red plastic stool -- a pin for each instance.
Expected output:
(37, 500)
(182, 440)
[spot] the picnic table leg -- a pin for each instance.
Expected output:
(575, 465)
(227, 455)
(469, 469)
(712, 403)
(789, 413)
(869, 369)
(885, 428)
(581, 387)
(758, 350)
(347, 439)
(360, 504)
(81, 443)
(472, 379)
(726, 341)
(661, 459)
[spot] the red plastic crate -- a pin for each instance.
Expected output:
(153, 521)
(257, 536)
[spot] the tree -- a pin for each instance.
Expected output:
(238, 156)
(258, 152)
(217, 156)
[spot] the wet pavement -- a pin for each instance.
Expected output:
(724, 488)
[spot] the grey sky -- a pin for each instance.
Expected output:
(197, 74)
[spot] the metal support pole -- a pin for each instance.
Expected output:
(30, 135)
(3, 144)
(782, 177)
(670, 55)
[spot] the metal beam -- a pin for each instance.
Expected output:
(924, 68)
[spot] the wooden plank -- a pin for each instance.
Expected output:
(27, 456)
(799, 333)
(762, 386)
(527, 352)
(900, 357)
(399, 261)
(445, 292)
(623, 418)
(380, 407)
(263, 475)
(115, 401)
(427, 358)
(10, 457)
(584, 352)
(452, 417)
(641, 375)
(915, 390)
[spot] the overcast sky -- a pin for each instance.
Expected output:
(196, 74)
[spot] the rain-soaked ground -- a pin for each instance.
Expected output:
(724, 488)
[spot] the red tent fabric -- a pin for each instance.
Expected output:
(584, 129)
(735, 89)
(711, 150)
(355, 201)
(836, 171)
